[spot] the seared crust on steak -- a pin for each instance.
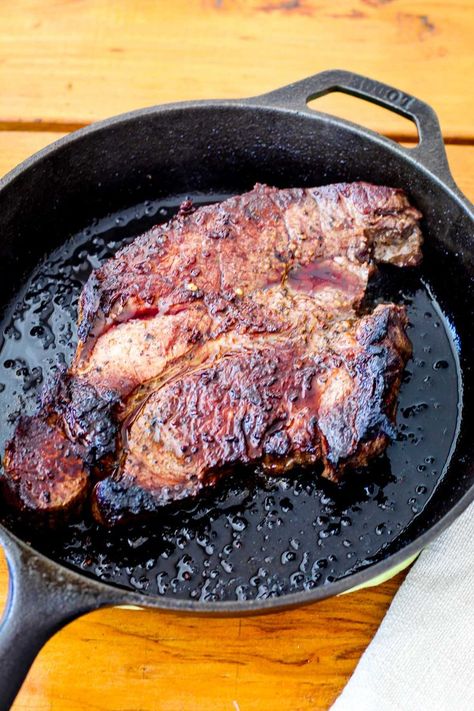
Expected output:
(276, 406)
(228, 336)
(47, 473)
(199, 276)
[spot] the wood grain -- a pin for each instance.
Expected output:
(151, 661)
(64, 63)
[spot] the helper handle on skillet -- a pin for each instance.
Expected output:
(42, 598)
(430, 151)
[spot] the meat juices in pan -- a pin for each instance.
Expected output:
(230, 335)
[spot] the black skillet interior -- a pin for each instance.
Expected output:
(254, 537)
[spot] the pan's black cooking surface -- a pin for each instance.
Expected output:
(254, 537)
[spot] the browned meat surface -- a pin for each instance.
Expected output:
(209, 272)
(275, 405)
(228, 336)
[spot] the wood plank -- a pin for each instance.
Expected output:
(121, 660)
(68, 62)
(16, 146)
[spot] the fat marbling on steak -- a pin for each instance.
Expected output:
(230, 335)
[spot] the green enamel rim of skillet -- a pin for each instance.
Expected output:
(383, 577)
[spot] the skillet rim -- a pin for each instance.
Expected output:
(112, 594)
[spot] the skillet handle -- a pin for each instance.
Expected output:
(430, 150)
(42, 598)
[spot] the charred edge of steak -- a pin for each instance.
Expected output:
(120, 501)
(49, 462)
(89, 416)
(45, 473)
(378, 369)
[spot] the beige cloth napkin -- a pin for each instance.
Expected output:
(422, 656)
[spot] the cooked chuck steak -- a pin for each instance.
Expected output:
(229, 336)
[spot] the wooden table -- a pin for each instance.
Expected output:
(64, 63)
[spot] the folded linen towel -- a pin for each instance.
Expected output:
(422, 656)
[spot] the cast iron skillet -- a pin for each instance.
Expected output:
(210, 148)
